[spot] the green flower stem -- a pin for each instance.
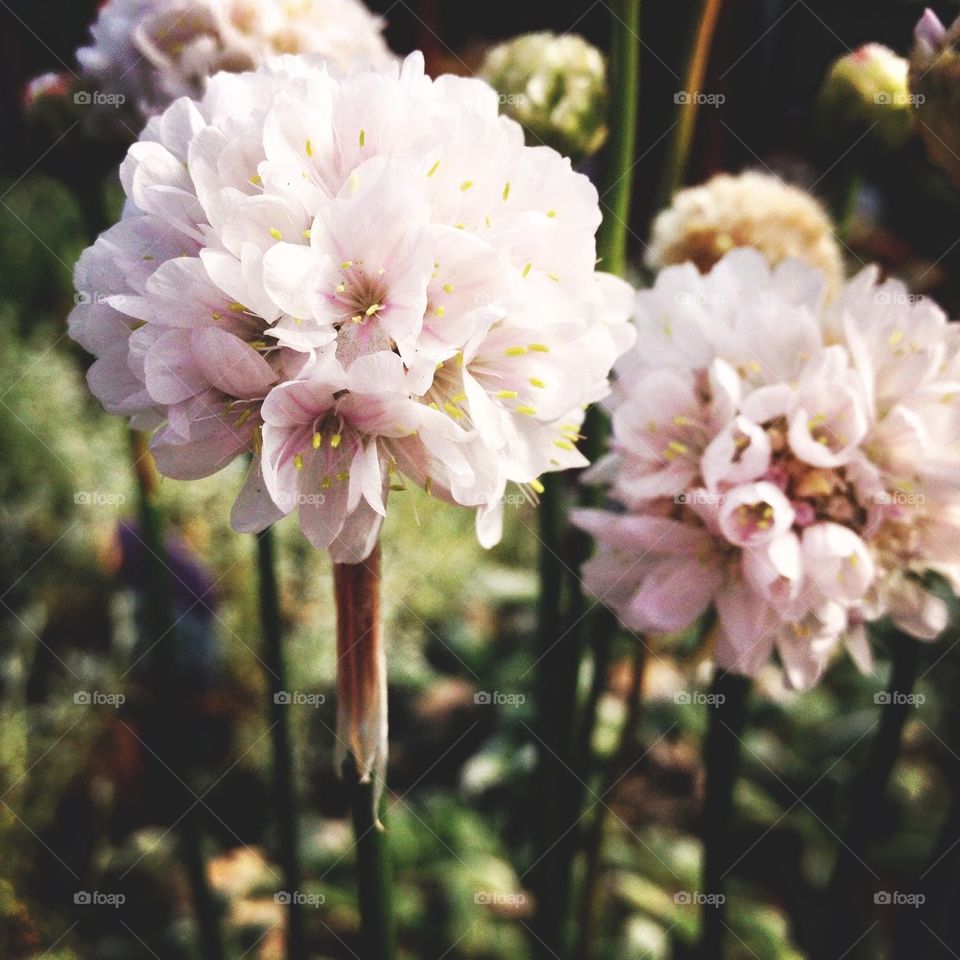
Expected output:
(617, 770)
(848, 892)
(562, 631)
(722, 755)
(694, 75)
(616, 197)
(284, 790)
(374, 875)
(162, 626)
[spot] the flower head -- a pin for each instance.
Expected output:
(749, 209)
(790, 461)
(555, 86)
(867, 90)
(146, 53)
(934, 74)
(364, 282)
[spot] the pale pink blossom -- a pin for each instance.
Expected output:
(790, 461)
(146, 53)
(362, 282)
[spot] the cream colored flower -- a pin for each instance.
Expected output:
(749, 209)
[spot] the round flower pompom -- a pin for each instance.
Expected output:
(365, 282)
(146, 53)
(791, 462)
(935, 84)
(749, 209)
(555, 86)
(866, 91)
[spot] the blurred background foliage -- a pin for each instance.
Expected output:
(82, 802)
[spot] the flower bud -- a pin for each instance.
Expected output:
(935, 82)
(749, 209)
(866, 90)
(555, 86)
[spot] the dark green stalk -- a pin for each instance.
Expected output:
(589, 902)
(624, 73)
(374, 873)
(848, 891)
(162, 638)
(722, 758)
(284, 791)
(562, 637)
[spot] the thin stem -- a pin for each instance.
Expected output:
(562, 637)
(722, 758)
(694, 74)
(374, 876)
(284, 790)
(560, 653)
(361, 734)
(162, 626)
(624, 74)
(847, 892)
(590, 894)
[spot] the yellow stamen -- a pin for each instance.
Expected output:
(335, 440)
(515, 351)
(506, 190)
(433, 169)
(466, 185)
(275, 233)
(448, 288)
(529, 411)
(527, 269)
(298, 461)
(309, 148)
(536, 382)
(317, 440)
(363, 137)
(536, 486)
(538, 347)
(507, 394)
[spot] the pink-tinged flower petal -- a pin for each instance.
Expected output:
(754, 514)
(915, 610)
(747, 630)
(231, 365)
(253, 510)
(837, 561)
(738, 454)
(211, 443)
(672, 595)
(775, 569)
(172, 369)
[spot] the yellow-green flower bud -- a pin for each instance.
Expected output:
(867, 91)
(555, 86)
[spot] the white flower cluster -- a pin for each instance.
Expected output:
(363, 281)
(793, 462)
